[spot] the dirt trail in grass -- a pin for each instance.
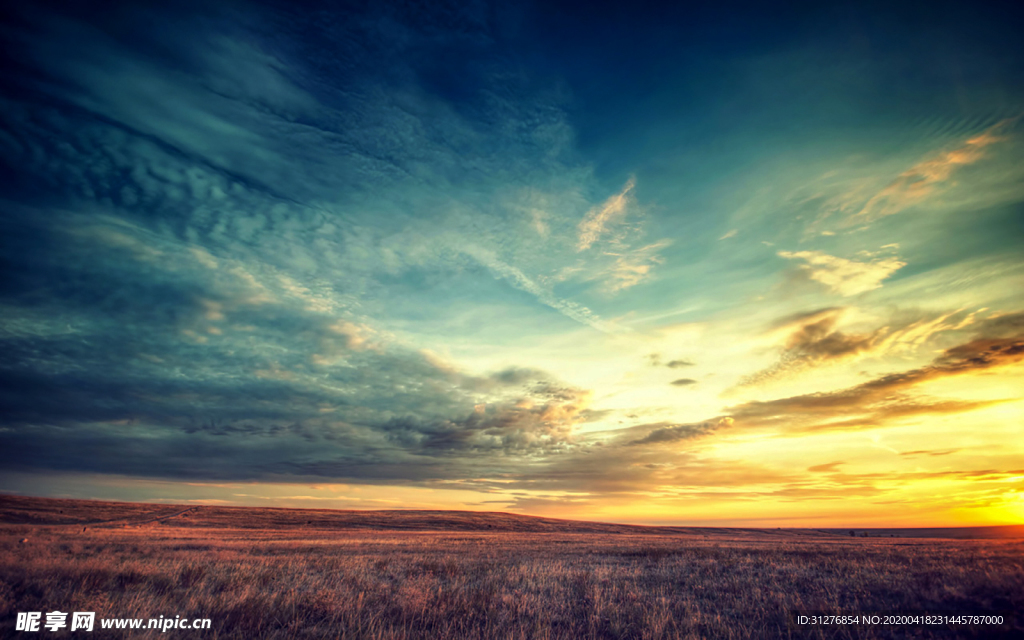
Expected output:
(125, 522)
(128, 521)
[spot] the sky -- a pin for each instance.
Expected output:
(707, 265)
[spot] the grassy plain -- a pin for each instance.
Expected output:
(280, 573)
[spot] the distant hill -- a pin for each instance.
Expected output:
(94, 513)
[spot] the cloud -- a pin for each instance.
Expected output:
(1002, 325)
(357, 336)
(729, 234)
(923, 180)
(662, 433)
(929, 452)
(831, 467)
(875, 402)
(633, 266)
(842, 276)
(818, 339)
(916, 334)
(595, 223)
(521, 281)
(813, 339)
(538, 222)
(540, 422)
(387, 415)
(684, 382)
(982, 353)
(535, 423)
(98, 376)
(228, 229)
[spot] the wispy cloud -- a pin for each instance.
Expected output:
(521, 281)
(929, 452)
(538, 220)
(843, 276)
(633, 266)
(908, 338)
(597, 220)
(925, 178)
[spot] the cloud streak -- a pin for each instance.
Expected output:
(598, 219)
(521, 281)
(632, 267)
(924, 179)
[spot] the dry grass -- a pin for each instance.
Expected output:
(299, 581)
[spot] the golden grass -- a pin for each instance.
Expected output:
(297, 581)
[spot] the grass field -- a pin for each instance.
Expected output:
(277, 573)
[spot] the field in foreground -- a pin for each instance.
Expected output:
(270, 573)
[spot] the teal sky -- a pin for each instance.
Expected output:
(612, 262)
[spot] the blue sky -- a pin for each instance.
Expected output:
(716, 264)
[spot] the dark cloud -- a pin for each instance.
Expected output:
(684, 382)
(161, 365)
(813, 339)
(1004, 325)
(818, 340)
(514, 376)
(663, 432)
(982, 353)
(873, 403)
(675, 364)
(197, 226)
(273, 430)
(976, 355)
(541, 424)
